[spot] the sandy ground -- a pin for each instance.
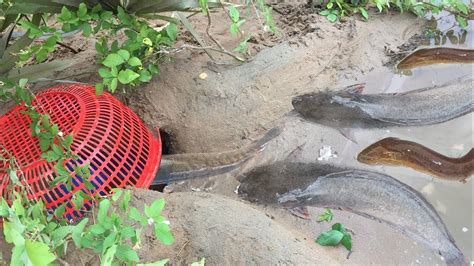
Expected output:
(235, 105)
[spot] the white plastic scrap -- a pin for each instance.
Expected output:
(326, 153)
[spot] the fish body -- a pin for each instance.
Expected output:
(366, 193)
(440, 55)
(420, 107)
(397, 152)
(177, 167)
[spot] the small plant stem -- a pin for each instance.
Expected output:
(74, 51)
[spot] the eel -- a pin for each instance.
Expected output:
(427, 106)
(369, 194)
(439, 55)
(178, 167)
(397, 152)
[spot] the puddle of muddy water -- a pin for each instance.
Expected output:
(453, 200)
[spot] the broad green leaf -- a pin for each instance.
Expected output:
(347, 242)
(145, 76)
(99, 89)
(14, 233)
(155, 209)
(330, 238)
(109, 256)
(77, 232)
(339, 227)
(124, 54)
(134, 61)
(364, 13)
(117, 193)
(136, 216)
(103, 210)
(127, 254)
(4, 209)
(332, 17)
(113, 60)
(60, 233)
(127, 76)
(172, 31)
(162, 232)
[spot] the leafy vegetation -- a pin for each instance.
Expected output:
(337, 235)
(41, 236)
(326, 216)
(334, 9)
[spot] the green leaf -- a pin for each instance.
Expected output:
(97, 229)
(113, 60)
(172, 31)
(332, 17)
(134, 61)
(127, 76)
(324, 12)
(61, 233)
(155, 209)
(60, 210)
(462, 7)
(125, 201)
(117, 193)
(4, 209)
(13, 232)
(330, 238)
(162, 232)
(136, 216)
(44, 144)
(326, 216)
(99, 89)
(113, 85)
(68, 141)
(127, 254)
(109, 256)
(82, 10)
(364, 13)
(145, 76)
(234, 14)
(124, 54)
(77, 232)
(339, 227)
(38, 253)
(347, 242)
(330, 5)
(103, 210)
(14, 177)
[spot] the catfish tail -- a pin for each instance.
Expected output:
(194, 165)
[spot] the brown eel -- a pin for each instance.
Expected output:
(397, 152)
(441, 55)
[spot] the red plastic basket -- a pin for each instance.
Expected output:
(121, 150)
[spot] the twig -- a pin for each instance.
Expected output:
(181, 249)
(223, 50)
(62, 261)
(74, 51)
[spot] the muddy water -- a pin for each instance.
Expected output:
(452, 200)
(301, 140)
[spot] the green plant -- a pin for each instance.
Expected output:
(337, 235)
(41, 236)
(334, 9)
(326, 216)
(128, 62)
(40, 240)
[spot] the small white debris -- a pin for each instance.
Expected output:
(150, 221)
(236, 190)
(459, 147)
(60, 133)
(442, 258)
(195, 189)
(464, 229)
(417, 262)
(166, 222)
(436, 162)
(203, 75)
(428, 189)
(325, 153)
(405, 251)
